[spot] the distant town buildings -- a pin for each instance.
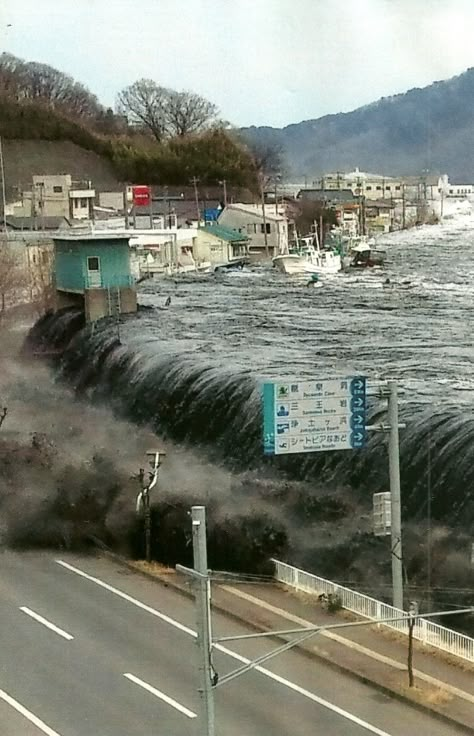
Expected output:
(267, 230)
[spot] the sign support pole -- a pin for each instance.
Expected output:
(203, 609)
(394, 468)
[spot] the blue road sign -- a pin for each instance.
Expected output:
(314, 416)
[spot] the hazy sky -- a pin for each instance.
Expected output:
(263, 62)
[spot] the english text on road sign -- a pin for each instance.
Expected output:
(314, 416)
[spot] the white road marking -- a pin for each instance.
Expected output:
(27, 714)
(46, 623)
(160, 695)
(282, 680)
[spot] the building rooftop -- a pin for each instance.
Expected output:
(256, 209)
(36, 223)
(225, 233)
(80, 234)
(329, 195)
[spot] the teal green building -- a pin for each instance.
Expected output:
(93, 270)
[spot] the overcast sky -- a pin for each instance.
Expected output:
(263, 62)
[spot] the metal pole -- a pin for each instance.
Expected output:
(203, 611)
(265, 234)
(394, 465)
(125, 207)
(151, 209)
(4, 196)
(196, 199)
(146, 499)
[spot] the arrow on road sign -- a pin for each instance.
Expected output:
(357, 420)
(358, 439)
(357, 403)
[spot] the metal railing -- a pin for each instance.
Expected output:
(427, 632)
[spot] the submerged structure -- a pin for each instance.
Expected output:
(92, 271)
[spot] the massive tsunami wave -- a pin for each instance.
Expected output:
(192, 371)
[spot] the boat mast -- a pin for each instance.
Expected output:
(316, 238)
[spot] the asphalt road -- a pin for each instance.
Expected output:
(90, 649)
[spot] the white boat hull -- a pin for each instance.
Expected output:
(294, 264)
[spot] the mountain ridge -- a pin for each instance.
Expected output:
(427, 128)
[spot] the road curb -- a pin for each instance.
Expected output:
(162, 580)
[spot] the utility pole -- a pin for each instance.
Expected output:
(394, 468)
(143, 498)
(264, 216)
(203, 613)
(404, 219)
(125, 207)
(4, 196)
(196, 198)
(151, 208)
(224, 185)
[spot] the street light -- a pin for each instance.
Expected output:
(143, 498)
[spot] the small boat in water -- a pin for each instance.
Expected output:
(363, 256)
(306, 257)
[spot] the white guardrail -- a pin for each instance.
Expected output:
(425, 631)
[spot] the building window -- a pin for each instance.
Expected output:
(388, 188)
(450, 191)
(58, 190)
(378, 188)
(397, 188)
(369, 188)
(76, 203)
(92, 263)
(262, 228)
(83, 203)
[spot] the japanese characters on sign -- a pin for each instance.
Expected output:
(314, 416)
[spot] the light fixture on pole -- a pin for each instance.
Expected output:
(143, 506)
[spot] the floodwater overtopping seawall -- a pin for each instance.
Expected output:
(188, 399)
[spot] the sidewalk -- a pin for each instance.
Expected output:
(378, 656)
(374, 656)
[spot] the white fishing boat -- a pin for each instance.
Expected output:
(306, 257)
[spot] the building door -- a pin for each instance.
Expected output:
(94, 276)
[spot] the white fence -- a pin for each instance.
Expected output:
(425, 631)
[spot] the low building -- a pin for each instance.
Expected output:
(459, 191)
(39, 224)
(217, 245)
(112, 201)
(327, 197)
(379, 217)
(58, 196)
(426, 186)
(172, 212)
(348, 218)
(92, 270)
(363, 183)
(269, 233)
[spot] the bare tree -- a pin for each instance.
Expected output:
(268, 162)
(40, 267)
(189, 113)
(13, 278)
(23, 81)
(145, 104)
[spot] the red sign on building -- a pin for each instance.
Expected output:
(141, 195)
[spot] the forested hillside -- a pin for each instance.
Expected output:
(40, 103)
(430, 128)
